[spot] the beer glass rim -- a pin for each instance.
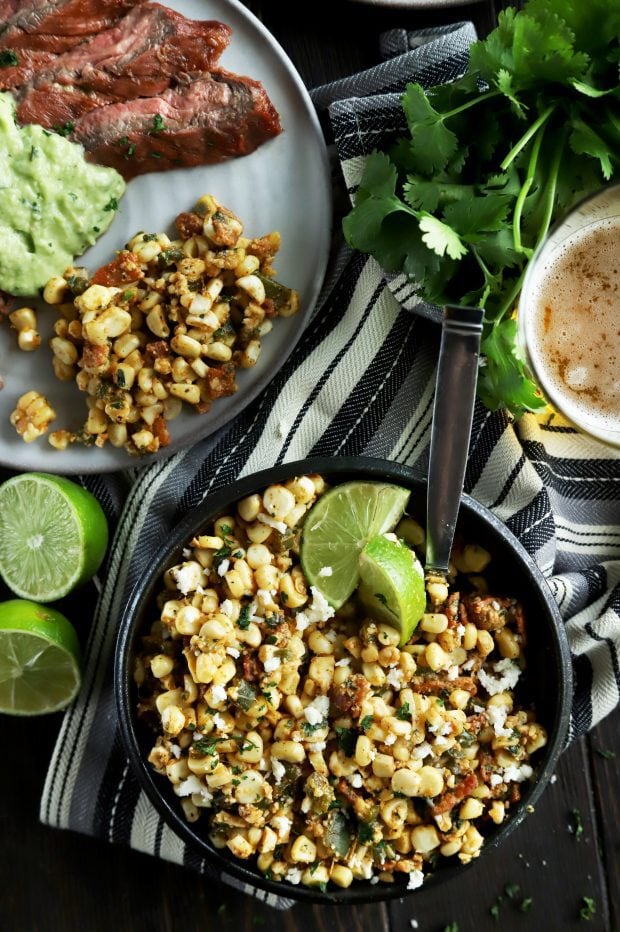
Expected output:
(607, 435)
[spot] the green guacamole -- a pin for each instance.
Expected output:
(53, 203)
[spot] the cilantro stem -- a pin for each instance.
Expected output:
(523, 193)
(550, 189)
(470, 103)
(523, 141)
(509, 299)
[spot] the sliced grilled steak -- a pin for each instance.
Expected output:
(216, 117)
(28, 63)
(59, 25)
(148, 50)
(7, 9)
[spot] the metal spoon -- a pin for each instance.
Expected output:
(453, 411)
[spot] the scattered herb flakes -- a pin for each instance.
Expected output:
(461, 213)
(603, 752)
(512, 891)
(577, 827)
(272, 639)
(112, 204)
(451, 927)
(365, 832)
(366, 722)
(588, 910)
(404, 713)
(158, 124)
(8, 57)
(495, 909)
(63, 129)
(381, 598)
(347, 739)
(244, 618)
(526, 904)
(207, 745)
(221, 909)
(258, 920)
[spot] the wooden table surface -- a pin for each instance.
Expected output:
(53, 881)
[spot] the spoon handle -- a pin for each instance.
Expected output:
(453, 411)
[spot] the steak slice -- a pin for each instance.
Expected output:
(217, 116)
(28, 63)
(141, 56)
(59, 25)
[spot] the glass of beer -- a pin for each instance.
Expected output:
(569, 315)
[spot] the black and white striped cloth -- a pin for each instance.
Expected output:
(359, 382)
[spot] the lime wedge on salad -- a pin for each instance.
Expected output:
(39, 659)
(337, 529)
(53, 535)
(392, 584)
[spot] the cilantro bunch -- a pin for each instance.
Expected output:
(491, 161)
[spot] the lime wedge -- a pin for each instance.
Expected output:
(338, 527)
(53, 535)
(39, 659)
(392, 585)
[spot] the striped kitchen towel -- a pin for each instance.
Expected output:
(359, 382)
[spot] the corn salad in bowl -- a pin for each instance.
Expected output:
(304, 743)
(166, 325)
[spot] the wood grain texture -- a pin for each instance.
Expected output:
(604, 746)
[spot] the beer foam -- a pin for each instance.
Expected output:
(574, 340)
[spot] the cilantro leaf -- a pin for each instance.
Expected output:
(586, 141)
(503, 377)
(441, 238)
(478, 214)
(432, 143)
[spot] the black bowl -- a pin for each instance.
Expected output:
(548, 679)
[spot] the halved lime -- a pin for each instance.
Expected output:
(39, 659)
(339, 526)
(392, 584)
(53, 535)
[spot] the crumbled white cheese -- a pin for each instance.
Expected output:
(192, 785)
(233, 652)
(186, 552)
(469, 664)
(187, 577)
(344, 662)
(301, 621)
(271, 522)
(305, 804)
(282, 826)
(441, 742)
(517, 774)
(226, 608)
(374, 879)
(553, 778)
(331, 635)
(390, 739)
(320, 609)
(453, 672)
(497, 717)
(395, 678)
(509, 674)
(414, 923)
(460, 630)
(222, 567)
(293, 875)
(219, 722)
(317, 746)
(316, 711)
(416, 879)
(218, 693)
(421, 751)
(262, 764)
(271, 664)
(175, 750)
(326, 571)
(355, 779)
(264, 597)
(495, 779)
(278, 769)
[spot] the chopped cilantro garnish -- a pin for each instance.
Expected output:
(366, 722)
(63, 129)
(365, 832)
(588, 910)
(603, 752)
(158, 124)
(347, 739)
(577, 826)
(244, 617)
(8, 57)
(526, 904)
(404, 713)
(112, 204)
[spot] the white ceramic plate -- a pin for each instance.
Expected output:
(419, 4)
(284, 186)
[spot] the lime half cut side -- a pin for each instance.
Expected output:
(392, 585)
(39, 659)
(337, 529)
(53, 535)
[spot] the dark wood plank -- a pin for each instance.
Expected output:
(604, 743)
(544, 857)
